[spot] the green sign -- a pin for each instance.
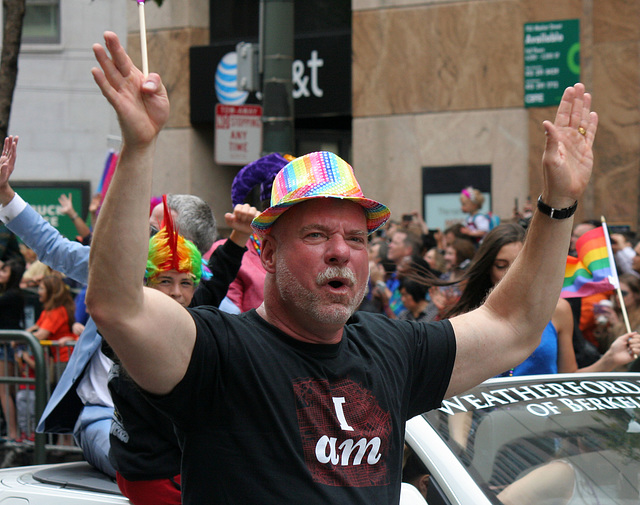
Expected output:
(551, 60)
(43, 197)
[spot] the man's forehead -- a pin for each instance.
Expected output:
(326, 211)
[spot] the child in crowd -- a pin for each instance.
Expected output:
(610, 322)
(477, 224)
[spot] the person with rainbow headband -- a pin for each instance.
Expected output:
(81, 404)
(246, 292)
(144, 448)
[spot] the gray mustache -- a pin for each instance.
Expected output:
(336, 272)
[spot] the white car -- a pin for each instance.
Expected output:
(566, 439)
(553, 439)
(60, 484)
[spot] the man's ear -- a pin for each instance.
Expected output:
(268, 254)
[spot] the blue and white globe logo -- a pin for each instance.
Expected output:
(227, 81)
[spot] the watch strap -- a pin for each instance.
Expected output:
(556, 213)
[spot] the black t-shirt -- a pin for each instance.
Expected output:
(264, 418)
(143, 444)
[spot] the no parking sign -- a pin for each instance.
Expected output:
(238, 135)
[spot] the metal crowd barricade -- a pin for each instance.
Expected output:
(52, 351)
(39, 381)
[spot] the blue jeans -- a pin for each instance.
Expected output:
(91, 433)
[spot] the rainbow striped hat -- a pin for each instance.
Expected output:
(317, 175)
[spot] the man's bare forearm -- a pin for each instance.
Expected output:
(507, 328)
(151, 333)
(120, 243)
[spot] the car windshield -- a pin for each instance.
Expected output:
(545, 438)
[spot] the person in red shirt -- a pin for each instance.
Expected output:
(56, 319)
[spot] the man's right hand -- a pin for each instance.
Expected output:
(7, 164)
(141, 103)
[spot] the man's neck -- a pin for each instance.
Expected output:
(298, 330)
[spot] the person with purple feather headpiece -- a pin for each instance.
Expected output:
(247, 290)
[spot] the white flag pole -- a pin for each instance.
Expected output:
(143, 39)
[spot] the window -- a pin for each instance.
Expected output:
(41, 22)
(239, 19)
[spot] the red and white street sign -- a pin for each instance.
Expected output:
(238, 135)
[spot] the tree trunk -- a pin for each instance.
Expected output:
(14, 16)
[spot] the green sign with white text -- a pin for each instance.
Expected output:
(551, 60)
(43, 197)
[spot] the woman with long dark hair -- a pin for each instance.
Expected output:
(480, 276)
(11, 298)
(555, 353)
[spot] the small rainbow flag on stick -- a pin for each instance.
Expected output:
(594, 270)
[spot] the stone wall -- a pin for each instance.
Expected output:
(441, 83)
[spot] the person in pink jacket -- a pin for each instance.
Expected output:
(246, 292)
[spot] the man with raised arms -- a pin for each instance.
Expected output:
(302, 400)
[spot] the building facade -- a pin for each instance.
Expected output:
(63, 121)
(404, 89)
(441, 83)
(438, 84)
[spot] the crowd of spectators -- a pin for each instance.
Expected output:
(438, 274)
(41, 301)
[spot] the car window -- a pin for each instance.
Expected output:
(525, 441)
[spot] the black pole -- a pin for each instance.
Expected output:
(276, 44)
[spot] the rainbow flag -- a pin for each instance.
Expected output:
(594, 270)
